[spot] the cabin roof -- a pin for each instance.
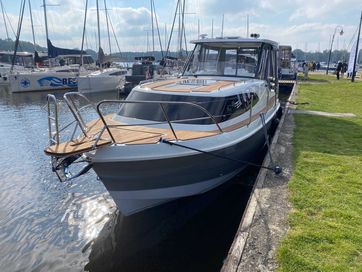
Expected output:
(235, 41)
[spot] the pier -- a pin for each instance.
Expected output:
(265, 218)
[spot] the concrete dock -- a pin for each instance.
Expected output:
(264, 222)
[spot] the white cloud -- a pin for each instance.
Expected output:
(311, 9)
(295, 22)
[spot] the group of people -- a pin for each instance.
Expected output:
(341, 68)
(314, 66)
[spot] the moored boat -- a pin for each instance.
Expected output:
(108, 79)
(56, 78)
(181, 136)
(23, 62)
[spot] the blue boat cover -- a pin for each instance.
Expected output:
(56, 51)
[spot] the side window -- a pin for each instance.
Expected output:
(237, 105)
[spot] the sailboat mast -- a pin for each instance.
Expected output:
(109, 37)
(158, 29)
(247, 25)
(46, 22)
(212, 28)
(152, 27)
(32, 25)
(98, 26)
(179, 41)
(83, 36)
(172, 28)
(20, 23)
(183, 35)
(6, 28)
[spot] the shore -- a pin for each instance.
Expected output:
(309, 218)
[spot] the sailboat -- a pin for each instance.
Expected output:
(20, 61)
(52, 78)
(106, 79)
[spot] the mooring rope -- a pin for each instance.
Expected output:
(276, 169)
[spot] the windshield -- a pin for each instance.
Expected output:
(220, 61)
(221, 108)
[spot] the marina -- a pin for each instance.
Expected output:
(58, 223)
(145, 137)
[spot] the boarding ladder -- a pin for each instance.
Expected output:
(60, 163)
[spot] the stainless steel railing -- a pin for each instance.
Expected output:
(72, 100)
(53, 121)
(161, 105)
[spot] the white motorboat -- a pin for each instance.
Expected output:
(177, 137)
(108, 79)
(287, 63)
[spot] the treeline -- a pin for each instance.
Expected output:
(9, 45)
(337, 55)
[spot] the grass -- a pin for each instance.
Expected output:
(326, 189)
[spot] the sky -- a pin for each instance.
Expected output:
(303, 24)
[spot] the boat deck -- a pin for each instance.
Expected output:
(122, 135)
(126, 134)
(186, 85)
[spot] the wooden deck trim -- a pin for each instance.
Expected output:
(213, 87)
(162, 86)
(137, 135)
(160, 83)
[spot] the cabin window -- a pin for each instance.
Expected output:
(220, 61)
(222, 108)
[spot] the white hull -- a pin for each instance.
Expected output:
(47, 80)
(102, 81)
(4, 82)
(5, 71)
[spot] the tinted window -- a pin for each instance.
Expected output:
(222, 108)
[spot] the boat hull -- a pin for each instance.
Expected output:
(41, 81)
(141, 184)
(88, 84)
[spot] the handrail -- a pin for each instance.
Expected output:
(54, 137)
(251, 107)
(68, 97)
(52, 99)
(160, 103)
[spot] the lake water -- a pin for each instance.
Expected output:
(46, 225)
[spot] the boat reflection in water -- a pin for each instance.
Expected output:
(189, 234)
(178, 137)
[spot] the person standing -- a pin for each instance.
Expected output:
(305, 70)
(344, 68)
(338, 69)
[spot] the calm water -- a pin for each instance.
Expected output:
(46, 225)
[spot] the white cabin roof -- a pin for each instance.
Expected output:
(234, 41)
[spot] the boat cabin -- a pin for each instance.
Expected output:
(233, 57)
(225, 76)
(73, 59)
(24, 59)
